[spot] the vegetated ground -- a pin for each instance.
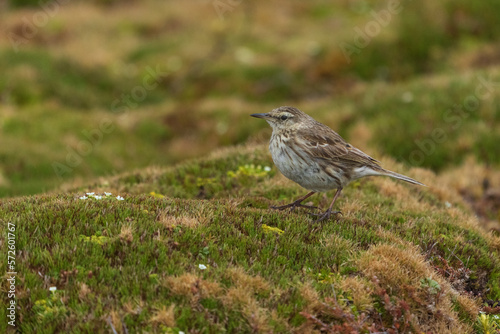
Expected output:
(203, 74)
(401, 258)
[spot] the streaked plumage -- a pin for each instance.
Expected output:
(315, 156)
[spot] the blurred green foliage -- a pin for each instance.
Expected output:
(214, 72)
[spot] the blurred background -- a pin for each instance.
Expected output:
(98, 87)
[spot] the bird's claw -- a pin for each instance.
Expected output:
(325, 215)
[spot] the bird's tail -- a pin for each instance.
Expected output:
(401, 177)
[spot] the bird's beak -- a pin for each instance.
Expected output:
(264, 116)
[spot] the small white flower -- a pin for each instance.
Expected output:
(119, 198)
(202, 266)
(83, 197)
(181, 332)
(97, 197)
(267, 169)
(447, 204)
(53, 288)
(90, 194)
(107, 194)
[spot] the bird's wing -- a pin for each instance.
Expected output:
(324, 143)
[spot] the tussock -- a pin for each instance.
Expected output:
(133, 306)
(114, 318)
(126, 234)
(239, 298)
(254, 284)
(84, 291)
(170, 221)
(400, 271)
(164, 316)
(360, 290)
(311, 298)
(191, 286)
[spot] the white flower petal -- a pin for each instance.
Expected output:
(107, 194)
(83, 197)
(202, 266)
(267, 169)
(90, 194)
(53, 288)
(119, 198)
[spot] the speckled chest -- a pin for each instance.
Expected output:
(295, 164)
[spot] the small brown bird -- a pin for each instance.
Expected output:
(316, 157)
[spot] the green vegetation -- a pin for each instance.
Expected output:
(171, 92)
(116, 97)
(135, 263)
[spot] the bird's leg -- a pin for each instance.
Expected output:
(296, 204)
(326, 215)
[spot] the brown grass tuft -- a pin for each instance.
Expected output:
(126, 234)
(192, 286)
(352, 207)
(360, 290)
(237, 297)
(469, 305)
(494, 241)
(255, 284)
(170, 221)
(164, 316)
(311, 297)
(84, 291)
(400, 271)
(242, 299)
(133, 307)
(334, 240)
(241, 296)
(401, 194)
(114, 317)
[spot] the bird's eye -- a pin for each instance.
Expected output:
(283, 117)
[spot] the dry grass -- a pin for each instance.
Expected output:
(126, 233)
(360, 290)
(254, 284)
(400, 271)
(133, 306)
(337, 241)
(310, 296)
(164, 316)
(84, 291)
(170, 221)
(192, 286)
(116, 322)
(238, 298)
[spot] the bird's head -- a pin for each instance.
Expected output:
(283, 118)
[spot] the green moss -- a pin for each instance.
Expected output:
(58, 231)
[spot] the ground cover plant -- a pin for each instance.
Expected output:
(118, 229)
(122, 255)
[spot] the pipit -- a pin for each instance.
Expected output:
(316, 157)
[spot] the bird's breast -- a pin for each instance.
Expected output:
(298, 166)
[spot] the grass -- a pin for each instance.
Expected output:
(117, 97)
(134, 263)
(395, 94)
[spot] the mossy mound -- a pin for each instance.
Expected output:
(195, 248)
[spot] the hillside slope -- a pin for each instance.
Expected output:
(194, 248)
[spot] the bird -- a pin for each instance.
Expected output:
(316, 157)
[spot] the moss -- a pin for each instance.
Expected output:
(256, 259)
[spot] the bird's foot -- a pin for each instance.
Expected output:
(326, 215)
(292, 206)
